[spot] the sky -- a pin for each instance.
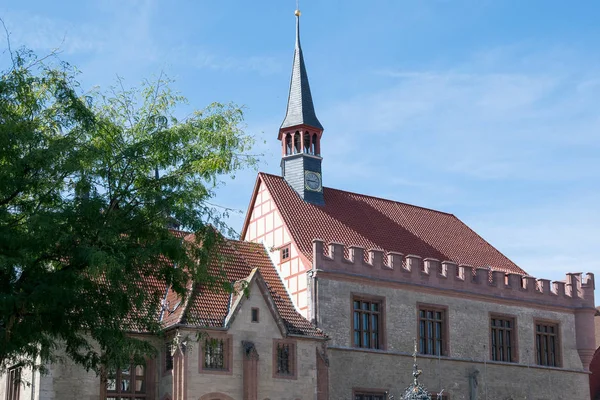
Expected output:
(489, 110)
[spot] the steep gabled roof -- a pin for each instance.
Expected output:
(371, 222)
(235, 261)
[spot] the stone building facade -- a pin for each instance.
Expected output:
(343, 288)
(377, 275)
(251, 344)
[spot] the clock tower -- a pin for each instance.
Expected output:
(300, 134)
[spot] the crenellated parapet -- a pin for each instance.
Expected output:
(574, 292)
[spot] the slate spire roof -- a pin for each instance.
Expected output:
(300, 108)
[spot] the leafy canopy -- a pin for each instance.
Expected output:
(89, 188)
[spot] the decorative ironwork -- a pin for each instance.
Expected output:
(283, 359)
(214, 357)
(416, 391)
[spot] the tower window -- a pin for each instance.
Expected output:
(314, 149)
(288, 144)
(296, 142)
(306, 147)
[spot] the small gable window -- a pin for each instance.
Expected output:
(285, 253)
(254, 314)
(284, 359)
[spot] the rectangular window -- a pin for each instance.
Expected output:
(214, 354)
(547, 344)
(367, 320)
(13, 384)
(128, 382)
(432, 330)
(370, 396)
(168, 356)
(285, 253)
(284, 359)
(254, 314)
(503, 335)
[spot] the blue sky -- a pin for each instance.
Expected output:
(485, 109)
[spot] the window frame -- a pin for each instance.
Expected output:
(133, 395)
(369, 392)
(168, 355)
(286, 248)
(445, 342)
(227, 354)
(514, 342)
(13, 383)
(557, 342)
(254, 310)
(293, 358)
(362, 297)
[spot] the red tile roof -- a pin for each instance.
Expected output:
(235, 260)
(371, 222)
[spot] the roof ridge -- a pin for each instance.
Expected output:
(372, 197)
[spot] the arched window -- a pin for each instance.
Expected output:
(306, 147)
(315, 147)
(297, 142)
(288, 144)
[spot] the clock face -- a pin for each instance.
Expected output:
(312, 181)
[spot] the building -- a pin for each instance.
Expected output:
(377, 274)
(595, 364)
(254, 344)
(342, 289)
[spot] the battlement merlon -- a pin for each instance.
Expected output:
(574, 292)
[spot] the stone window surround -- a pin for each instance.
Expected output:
(515, 335)
(257, 311)
(163, 359)
(293, 358)
(227, 354)
(445, 325)
(13, 383)
(559, 350)
(382, 318)
(148, 377)
(370, 391)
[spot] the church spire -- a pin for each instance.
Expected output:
(300, 108)
(300, 134)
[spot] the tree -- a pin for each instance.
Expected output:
(90, 189)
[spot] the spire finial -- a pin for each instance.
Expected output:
(297, 13)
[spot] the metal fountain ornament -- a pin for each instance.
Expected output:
(416, 391)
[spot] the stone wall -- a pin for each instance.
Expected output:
(597, 326)
(469, 341)
(63, 381)
(262, 335)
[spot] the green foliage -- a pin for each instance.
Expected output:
(89, 186)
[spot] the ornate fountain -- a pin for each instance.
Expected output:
(416, 391)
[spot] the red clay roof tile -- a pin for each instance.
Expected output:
(371, 222)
